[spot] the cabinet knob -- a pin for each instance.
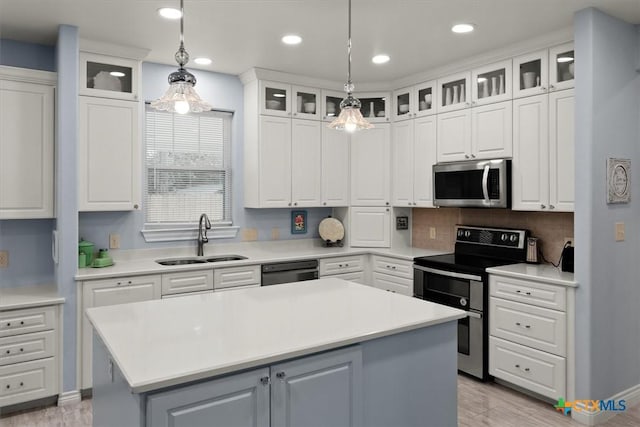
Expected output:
(289, 204)
(387, 118)
(543, 88)
(324, 203)
(129, 282)
(466, 156)
(265, 380)
(8, 351)
(387, 209)
(8, 324)
(295, 114)
(415, 204)
(552, 87)
(135, 206)
(22, 322)
(281, 376)
(518, 291)
(517, 323)
(22, 349)
(551, 207)
(340, 265)
(528, 293)
(21, 384)
(527, 369)
(517, 366)
(8, 386)
(527, 326)
(409, 203)
(543, 206)
(346, 265)
(295, 204)
(386, 203)
(473, 156)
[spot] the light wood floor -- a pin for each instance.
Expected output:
(479, 404)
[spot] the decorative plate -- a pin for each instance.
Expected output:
(331, 230)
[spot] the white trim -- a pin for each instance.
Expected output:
(181, 232)
(28, 75)
(69, 398)
(631, 396)
(115, 50)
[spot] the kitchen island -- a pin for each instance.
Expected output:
(323, 352)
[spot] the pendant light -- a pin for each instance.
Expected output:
(350, 118)
(181, 97)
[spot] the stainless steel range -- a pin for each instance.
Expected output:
(460, 280)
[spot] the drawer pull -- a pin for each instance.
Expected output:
(517, 366)
(346, 265)
(527, 369)
(9, 324)
(340, 265)
(527, 326)
(22, 322)
(518, 291)
(8, 351)
(21, 350)
(528, 293)
(8, 386)
(517, 323)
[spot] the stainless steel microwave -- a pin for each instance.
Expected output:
(476, 183)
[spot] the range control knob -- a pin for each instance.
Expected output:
(503, 237)
(467, 234)
(463, 302)
(460, 233)
(513, 238)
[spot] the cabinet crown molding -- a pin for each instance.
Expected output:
(28, 75)
(110, 49)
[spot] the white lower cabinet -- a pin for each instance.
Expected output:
(392, 274)
(350, 268)
(323, 389)
(370, 227)
(29, 354)
(529, 335)
(187, 282)
(236, 277)
(100, 293)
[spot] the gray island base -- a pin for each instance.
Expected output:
(404, 375)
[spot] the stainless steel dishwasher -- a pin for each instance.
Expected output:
(289, 271)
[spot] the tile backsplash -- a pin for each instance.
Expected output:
(550, 228)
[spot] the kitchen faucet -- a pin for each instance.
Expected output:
(202, 237)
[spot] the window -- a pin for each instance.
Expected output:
(188, 172)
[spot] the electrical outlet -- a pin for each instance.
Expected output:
(619, 231)
(432, 233)
(114, 241)
(4, 259)
(568, 240)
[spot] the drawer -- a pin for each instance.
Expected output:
(230, 277)
(536, 327)
(393, 284)
(22, 382)
(531, 369)
(393, 266)
(357, 276)
(188, 281)
(22, 348)
(338, 265)
(529, 292)
(15, 322)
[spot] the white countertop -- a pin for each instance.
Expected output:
(168, 342)
(29, 296)
(539, 272)
(137, 262)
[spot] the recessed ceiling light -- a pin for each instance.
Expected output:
(202, 61)
(566, 58)
(291, 39)
(380, 59)
(462, 28)
(169, 13)
(117, 74)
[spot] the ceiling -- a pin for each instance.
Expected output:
(240, 34)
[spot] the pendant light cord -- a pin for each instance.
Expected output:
(182, 57)
(349, 85)
(181, 23)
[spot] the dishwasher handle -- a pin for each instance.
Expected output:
(290, 265)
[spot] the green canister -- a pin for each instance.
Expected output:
(86, 248)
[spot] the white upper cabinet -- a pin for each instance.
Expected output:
(491, 131)
(285, 100)
(335, 167)
(371, 166)
(108, 155)
(414, 101)
(562, 150)
(26, 144)
(306, 152)
(273, 172)
(375, 106)
(544, 71)
(370, 227)
(413, 156)
(561, 67)
(491, 83)
(454, 92)
(108, 76)
(454, 136)
(331, 104)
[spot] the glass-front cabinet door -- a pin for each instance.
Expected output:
(530, 74)
(491, 83)
(561, 67)
(375, 106)
(425, 98)
(108, 77)
(306, 103)
(403, 104)
(331, 104)
(275, 99)
(453, 92)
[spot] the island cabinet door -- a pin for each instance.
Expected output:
(240, 400)
(322, 390)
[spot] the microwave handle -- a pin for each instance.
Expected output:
(485, 183)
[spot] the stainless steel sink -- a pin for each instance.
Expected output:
(226, 258)
(181, 261)
(186, 261)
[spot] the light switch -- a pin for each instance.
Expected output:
(619, 231)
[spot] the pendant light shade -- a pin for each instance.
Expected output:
(181, 97)
(350, 118)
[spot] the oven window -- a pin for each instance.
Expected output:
(447, 285)
(463, 336)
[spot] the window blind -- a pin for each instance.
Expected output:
(188, 166)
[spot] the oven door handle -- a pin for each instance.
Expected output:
(474, 314)
(448, 273)
(485, 184)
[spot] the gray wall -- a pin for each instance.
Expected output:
(607, 117)
(27, 55)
